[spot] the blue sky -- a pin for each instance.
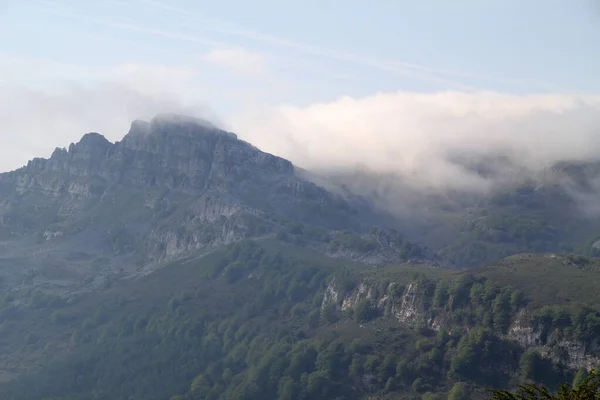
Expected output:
(505, 45)
(252, 64)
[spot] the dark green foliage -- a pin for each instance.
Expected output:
(535, 368)
(588, 389)
(351, 241)
(364, 311)
(460, 391)
(480, 348)
(250, 322)
(582, 373)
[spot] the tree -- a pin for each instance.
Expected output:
(318, 385)
(582, 373)
(356, 367)
(388, 368)
(313, 318)
(517, 300)
(329, 313)
(440, 297)
(529, 365)
(418, 385)
(287, 388)
(433, 396)
(200, 385)
(588, 389)
(364, 311)
(501, 312)
(460, 391)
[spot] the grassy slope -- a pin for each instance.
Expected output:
(549, 279)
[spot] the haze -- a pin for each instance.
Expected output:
(317, 83)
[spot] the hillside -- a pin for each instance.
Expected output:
(261, 320)
(552, 211)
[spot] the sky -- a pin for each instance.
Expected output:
(396, 85)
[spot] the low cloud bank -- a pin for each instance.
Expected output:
(467, 141)
(446, 140)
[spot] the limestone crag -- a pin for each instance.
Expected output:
(404, 304)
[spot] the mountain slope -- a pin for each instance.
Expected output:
(99, 210)
(266, 320)
(555, 210)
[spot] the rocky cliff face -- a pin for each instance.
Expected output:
(405, 304)
(172, 186)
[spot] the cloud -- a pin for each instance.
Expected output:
(238, 60)
(437, 139)
(149, 78)
(192, 27)
(439, 76)
(225, 55)
(34, 122)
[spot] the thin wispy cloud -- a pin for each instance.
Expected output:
(238, 60)
(389, 65)
(194, 22)
(136, 28)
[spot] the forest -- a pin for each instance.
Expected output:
(257, 321)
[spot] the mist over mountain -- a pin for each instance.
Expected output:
(449, 140)
(178, 184)
(172, 186)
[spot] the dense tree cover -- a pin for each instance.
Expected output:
(254, 322)
(557, 323)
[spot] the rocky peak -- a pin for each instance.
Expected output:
(92, 142)
(183, 120)
(172, 151)
(165, 127)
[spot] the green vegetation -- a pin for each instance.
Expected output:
(587, 389)
(528, 218)
(351, 241)
(265, 320)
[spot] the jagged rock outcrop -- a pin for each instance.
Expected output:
(561, 350)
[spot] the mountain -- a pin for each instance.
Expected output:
(100, 210)
(554, 210)
(183, 263)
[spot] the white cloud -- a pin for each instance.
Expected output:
(413, 134)
(34, 122)
(418, 135)
(148, 78)
(238, 60)
(441, 77)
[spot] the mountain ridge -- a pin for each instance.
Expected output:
(169, 187)
(182, 260)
